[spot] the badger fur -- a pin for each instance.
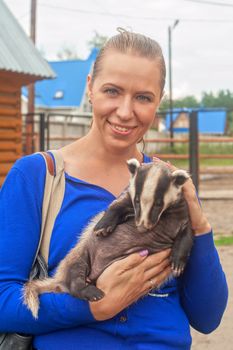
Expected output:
(151, 214)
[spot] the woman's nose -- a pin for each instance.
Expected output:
(125, 108)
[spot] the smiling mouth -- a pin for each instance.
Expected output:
(121, 129)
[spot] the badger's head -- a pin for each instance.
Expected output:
(153, 188)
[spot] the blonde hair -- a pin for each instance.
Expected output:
(135, 43)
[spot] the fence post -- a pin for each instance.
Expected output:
(42, 131)
(194, 148)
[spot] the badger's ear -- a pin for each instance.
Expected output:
(133, 165)
(180, 177)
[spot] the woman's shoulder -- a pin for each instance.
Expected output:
(30, 170)
(32, 164)
(26, 177)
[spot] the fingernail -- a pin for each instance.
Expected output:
(144, 252)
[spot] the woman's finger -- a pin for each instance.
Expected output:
(155, 281)
(168, 163)
(157, 269)
(131, 261)
(155, 259)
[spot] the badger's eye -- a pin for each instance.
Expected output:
(137, 200)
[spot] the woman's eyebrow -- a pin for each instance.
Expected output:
(113, 85)
(146, 93)
(120, 88)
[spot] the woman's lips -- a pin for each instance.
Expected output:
(120, 129)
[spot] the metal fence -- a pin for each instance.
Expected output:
(53, 130)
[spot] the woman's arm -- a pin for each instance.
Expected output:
(20, 219)
(203, 287)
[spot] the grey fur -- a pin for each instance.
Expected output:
(123, 230)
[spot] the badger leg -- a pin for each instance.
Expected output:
(33, 289)
(77, 282)
(117, 213)
(181, 250)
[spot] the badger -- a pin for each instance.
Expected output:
(150, 214)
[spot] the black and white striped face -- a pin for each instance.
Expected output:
(153, 188)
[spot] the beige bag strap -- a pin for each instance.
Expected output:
(53, 196)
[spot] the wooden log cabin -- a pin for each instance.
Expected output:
(20, 64)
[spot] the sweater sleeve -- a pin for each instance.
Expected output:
(204, 291)
(20, 221)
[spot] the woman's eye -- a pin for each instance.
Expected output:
(144, 98)
(111, 91)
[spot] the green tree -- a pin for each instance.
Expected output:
(67, 53)
(97, 41)
(223, 99)
(185, 102)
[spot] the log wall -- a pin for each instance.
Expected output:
(10, 128)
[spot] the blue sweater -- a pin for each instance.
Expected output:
(197, 299)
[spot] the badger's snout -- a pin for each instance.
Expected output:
(143, 226)
(143, 229)
(148, 222)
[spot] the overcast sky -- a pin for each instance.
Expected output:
(202, 42)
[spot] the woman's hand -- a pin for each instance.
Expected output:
(126, 280)
(199, 222)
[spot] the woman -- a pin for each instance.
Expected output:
(125, 91)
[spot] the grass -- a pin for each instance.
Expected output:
(184, 163)
(204, 149)
(224, 241)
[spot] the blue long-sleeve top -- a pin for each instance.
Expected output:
(161, 322)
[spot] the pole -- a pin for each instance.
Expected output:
(170, 81)
(194, 148)
(170, 29)
(42, 131)
(31, 89)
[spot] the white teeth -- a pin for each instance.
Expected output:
(120, 128)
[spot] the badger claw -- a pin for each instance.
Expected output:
(104, 231)
(177, 267)
(177, 271)
(104, 227)
(90, 293)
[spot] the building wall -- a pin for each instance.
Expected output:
(10, 128)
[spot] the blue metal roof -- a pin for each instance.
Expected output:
(69, 86)
(210, 121)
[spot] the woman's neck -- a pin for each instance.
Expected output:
(96, 148)
(90, 162)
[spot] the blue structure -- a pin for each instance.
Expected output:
(68, 88)
(210, 120)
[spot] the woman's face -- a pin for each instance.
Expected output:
(125, 96)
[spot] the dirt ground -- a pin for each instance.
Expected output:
(221, 338)
(219, 211)
(220, 215)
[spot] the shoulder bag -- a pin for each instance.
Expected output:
(52, 201)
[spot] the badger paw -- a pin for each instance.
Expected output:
(177, 266)
(104, 227)
(90, 293)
